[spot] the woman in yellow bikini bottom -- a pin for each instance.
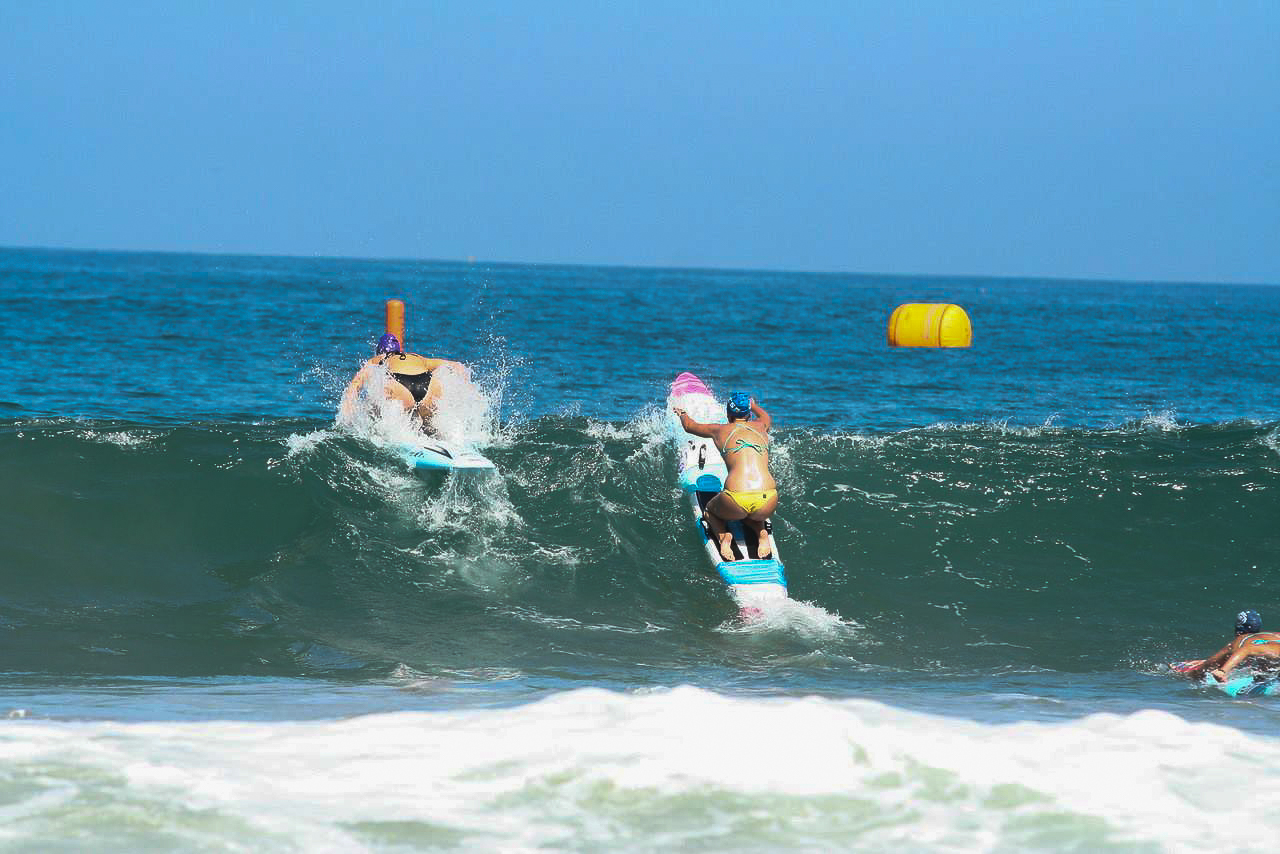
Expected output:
(759, 501)
(756, 503)
(751, 501)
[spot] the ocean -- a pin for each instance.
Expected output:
(230, 623)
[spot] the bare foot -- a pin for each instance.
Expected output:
(726, 547)
(764, 543)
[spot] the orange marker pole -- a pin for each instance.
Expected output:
(395, 319)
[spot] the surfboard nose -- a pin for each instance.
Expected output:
(687, 382)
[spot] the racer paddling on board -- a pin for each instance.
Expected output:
(1250, 643)
(410, 379)
(750, 493)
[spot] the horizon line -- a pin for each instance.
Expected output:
(472, 260)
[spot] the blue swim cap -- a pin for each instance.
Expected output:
(389, 344)
(739, 405)
(1248, 622)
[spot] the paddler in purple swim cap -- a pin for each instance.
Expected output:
(750, 493)
(412, 379)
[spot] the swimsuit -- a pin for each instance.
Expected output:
(416, 383)
(743, 443)
(751, 501)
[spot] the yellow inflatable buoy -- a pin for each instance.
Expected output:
(929, 324)
(395, 319)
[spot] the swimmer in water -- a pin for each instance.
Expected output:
(412, 379)
(1250, 644)
(750, 493)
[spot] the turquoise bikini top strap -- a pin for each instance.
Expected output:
(743, 443)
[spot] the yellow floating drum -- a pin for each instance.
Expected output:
(929, 324)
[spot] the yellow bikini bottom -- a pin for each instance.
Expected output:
(750, 502)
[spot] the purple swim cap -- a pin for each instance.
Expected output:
(389, 344)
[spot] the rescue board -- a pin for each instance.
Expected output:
(431, 454)
(1238, 686)
(752, 581)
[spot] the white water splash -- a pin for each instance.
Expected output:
(1165, 421)
(467, 412)
(120, 438)
(607, 430)
(1272, 441)
(301, 444)
(471, 502)
(378, 418)
(788, 616)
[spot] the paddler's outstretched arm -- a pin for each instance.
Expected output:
(1211, 663)
(1224, 672)
(347, 407)
(706, 431)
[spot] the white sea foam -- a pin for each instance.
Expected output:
(1272, 441)
(763, 615)
(120, 438)
(464, 414)
(479, 505)
(1165, 421)
(606, 430)
(300, 444)
(669, 770)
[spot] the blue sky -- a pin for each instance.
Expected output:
(1076, 139)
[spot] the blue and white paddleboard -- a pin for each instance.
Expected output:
(431, 454)
(1240, 686)
(1248, 686)
(752, 581)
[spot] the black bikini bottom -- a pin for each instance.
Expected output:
(416, 383)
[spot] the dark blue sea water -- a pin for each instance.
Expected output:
(992, 553)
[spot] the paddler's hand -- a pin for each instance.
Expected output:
(678, 411)
(1218, 675)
